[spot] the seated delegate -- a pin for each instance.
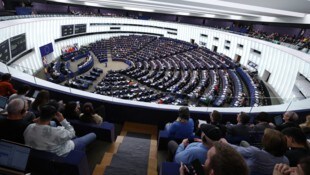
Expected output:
(183, 127)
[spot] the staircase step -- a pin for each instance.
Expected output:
(107, 158)
(105, 164)
(114, 147)
(140, 128)
(99, 169)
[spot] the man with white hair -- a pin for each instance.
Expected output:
(290, 119)
(13, 126)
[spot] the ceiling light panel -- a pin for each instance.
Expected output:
(138, 9)
(93, 4)
(235, 17)
(183, 13)
(209, 15)
(63, 1)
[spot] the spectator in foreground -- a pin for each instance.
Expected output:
(89, 114)
(223, 160)
(262, 122)
(72, 110)
(187, 152)
(183, 127)
(57, 140)
(21, 94)
(42, 98)
(273, 152)
(13, 126)
(297, 144)
(303, 168)
(6, 88)
(216, 120)
(240, 131)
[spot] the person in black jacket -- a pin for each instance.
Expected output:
(216, 120)
(297, 144)
(240, 131)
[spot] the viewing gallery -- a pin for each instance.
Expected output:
(106, 77)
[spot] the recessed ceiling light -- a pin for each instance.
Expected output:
(64, 1)
(92, 4)
(138, 9)
(268, 18)
(209, 15)
(183, 13)
(235, 17)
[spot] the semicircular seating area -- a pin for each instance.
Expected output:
(164, 68)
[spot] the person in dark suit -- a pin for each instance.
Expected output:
(262, 122)
(216, 120)
(240, 131)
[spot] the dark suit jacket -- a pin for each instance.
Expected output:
(287, 125)
(238, 130)
(260, 127)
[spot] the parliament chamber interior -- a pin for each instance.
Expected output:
(154, 87)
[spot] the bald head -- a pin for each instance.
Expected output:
(17, 107)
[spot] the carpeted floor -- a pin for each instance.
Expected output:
(96, 150)
(132, 156)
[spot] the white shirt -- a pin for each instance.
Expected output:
(52, 139)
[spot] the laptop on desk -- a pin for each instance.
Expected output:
(3, 103)
(13, 158)
(278, 120)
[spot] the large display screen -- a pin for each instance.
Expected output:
(18, 44)
(46, 49)
(80, 28)
(67, 30)
(4, 51)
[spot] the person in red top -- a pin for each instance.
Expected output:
(6, 88)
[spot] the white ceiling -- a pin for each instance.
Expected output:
(260, 10)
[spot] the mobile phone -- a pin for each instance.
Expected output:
(189, 170)
(197, 167)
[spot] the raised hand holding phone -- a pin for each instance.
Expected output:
(59, 117)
